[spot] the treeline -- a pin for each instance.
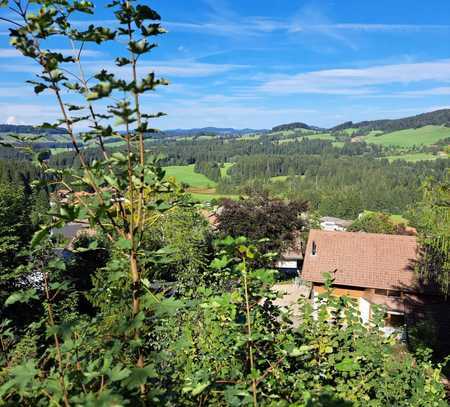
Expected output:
(210, 170)
(186, 152)
(27, 129)
(18, 173)
(343, 186)
(436, 118)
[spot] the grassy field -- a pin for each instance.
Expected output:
(186, 174)
(279, 178)
(198, 196)
(426, 135)
(201, 188)
(413, 157)
(224, 169)
(321, 136)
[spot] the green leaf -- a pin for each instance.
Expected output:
(24, 374)
(117, 373)
(139, 376)
(199, 388)
(22, 296)
(124, 244)
(347, 365)
(302, 350)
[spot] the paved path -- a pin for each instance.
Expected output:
(291, 294)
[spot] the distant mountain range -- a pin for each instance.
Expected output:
(436, 118)
(27, 129)
(221, 131)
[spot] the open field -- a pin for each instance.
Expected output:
(426, 135)
(413, 157)
(186, 174)
(201, 188)
(196, 196)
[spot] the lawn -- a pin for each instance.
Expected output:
(186, 174)
(426, 135)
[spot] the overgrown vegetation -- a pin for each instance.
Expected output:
(150, 311)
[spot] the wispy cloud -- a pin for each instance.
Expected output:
(437, 91)
(358, 81)
(182, 68)
(13, 53)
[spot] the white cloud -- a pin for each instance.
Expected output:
(256, 26)
(183, 68)
(358, 81)
(28, 113)
(11, 120)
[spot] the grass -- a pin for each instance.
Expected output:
(279, 178)
(250, 137)
(186, 174)
(321, 136)
(413, 157)
(202, 197)
(318, 136)
(224, 169)
(426, 135)
(395, 218)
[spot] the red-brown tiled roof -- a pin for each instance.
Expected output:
(366, 260)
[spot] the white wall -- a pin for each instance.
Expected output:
(364, 309)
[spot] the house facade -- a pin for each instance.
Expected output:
(374, 269)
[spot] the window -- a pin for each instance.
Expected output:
(314, 248)
(380, 291)
(395, 320)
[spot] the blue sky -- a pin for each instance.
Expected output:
(257, 64)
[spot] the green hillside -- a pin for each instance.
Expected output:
(414, 157)
(426, 135)
(186, 174)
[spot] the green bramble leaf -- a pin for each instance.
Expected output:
(139, 376)
(39, 236)
(124, 244)
(22, 296)
(347, 365)
(117, 373)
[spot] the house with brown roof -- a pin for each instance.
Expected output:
(372, 268)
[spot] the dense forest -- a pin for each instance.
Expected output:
(342, 186)
(437, 118)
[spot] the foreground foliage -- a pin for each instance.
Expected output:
(113, 334)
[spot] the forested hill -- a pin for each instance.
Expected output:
(294, 126)
(436, 118)
(27, 129)
(221, 131)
